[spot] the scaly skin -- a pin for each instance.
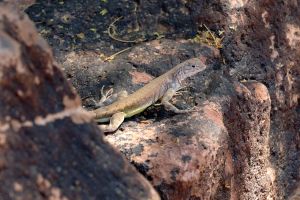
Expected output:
(162, 87)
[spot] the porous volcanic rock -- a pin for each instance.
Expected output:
(248, 125)
(182, 156)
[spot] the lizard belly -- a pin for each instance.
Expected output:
(101, 120)
(131, 112)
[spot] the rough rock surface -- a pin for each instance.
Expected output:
(48, 147)
(182, 156)
(248, 125)
(296, 194)
(261, 40)
(262, 44)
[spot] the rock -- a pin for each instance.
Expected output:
(182, 156)
(49, 148)
(261, 43)
(248, 125)
(296, 194)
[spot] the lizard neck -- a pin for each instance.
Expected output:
(176, 78)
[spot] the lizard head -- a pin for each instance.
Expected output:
(189, 68)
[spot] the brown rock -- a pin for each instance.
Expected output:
(262, 45)
(48, 147)
(183, 156)
(296, 194)
(248, 124)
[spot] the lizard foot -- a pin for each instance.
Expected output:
(115, 121)
(180, 91)
(104, 96)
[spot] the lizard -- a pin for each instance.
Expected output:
(162, 87)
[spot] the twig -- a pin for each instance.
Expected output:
(111, 33)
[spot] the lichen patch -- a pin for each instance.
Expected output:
(213, 114)
(237, 3)
(264, 17)
(293, 35)
(18, 187)
(274, 52)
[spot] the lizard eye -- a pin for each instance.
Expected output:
(193, 66)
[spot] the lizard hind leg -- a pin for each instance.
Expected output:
(117, 96)
(115, 121)
(108, 97)
(104, 97)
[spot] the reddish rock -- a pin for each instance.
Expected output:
(182, 156)
(48, 147)
(296, 194)
(263, 46)
(248, 125)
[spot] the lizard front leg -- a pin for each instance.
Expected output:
(165, 101)
(115, 121)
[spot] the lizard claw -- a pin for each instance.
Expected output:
(107, 94)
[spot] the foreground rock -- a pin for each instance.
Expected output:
(48, 147)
